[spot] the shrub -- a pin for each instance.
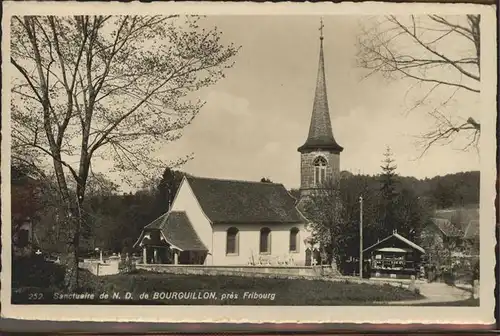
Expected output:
(34, 271)
(475, 271)
(449, 277)
(126, 266)
(88, 282)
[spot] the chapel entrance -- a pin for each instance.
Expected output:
(171, 239)
(313, 257)
(308, 257)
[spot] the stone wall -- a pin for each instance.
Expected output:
(311, 273)
(109, 267)
(253, 271)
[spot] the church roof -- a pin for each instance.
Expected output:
(320, 135)
(178, 231)
(232, 201)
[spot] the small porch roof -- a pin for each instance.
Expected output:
(176, 229)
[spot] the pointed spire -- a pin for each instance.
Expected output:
(320, 130)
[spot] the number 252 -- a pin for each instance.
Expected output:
(35, 296)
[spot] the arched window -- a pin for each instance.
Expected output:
(294, 235)
(319, 170)
(232, 244)
(265, 240)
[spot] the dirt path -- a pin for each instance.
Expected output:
(436, 292)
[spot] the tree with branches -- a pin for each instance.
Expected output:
(440, 56)
(325, 211)
(106, 87)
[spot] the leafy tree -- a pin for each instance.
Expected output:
(50, 213)
(34, 200)
(438, 55)
(25, 195)
(324, 209)
(106, 86)
(117, 220)
(454, 190)
(341, 223)
(351, 187)
(411, 214)
(443, 194)
(265, 180)
(167, 189)
(295, 193)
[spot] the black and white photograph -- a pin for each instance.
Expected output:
(163, 157)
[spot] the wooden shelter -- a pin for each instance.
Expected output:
(393, 257)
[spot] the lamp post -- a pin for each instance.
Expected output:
(361, 237)
(101, 260)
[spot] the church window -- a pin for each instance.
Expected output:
(265, 240)
(294, 235)
(319, 170)
(232, 241)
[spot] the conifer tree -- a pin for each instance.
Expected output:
(167, 189)
(388, 193)
(388, 175)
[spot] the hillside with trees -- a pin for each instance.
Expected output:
(440, 192)
(114, 221)
(390, 203)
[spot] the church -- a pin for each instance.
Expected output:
(232, 223)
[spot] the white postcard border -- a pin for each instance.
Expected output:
(278, 314)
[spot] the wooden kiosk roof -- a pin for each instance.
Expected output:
(399, 237)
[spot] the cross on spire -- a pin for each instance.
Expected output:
(320, 135)
(321, 25)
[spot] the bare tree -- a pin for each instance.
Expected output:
(441, 55)
(113, 87)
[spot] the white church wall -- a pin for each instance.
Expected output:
(249, 242)
(185, 200)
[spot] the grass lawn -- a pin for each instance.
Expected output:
(220, 290)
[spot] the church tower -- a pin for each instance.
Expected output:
(320, 154)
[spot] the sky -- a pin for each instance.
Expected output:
(255, 119)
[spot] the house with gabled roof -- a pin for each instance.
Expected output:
(465, 219)
(227, 222)
(452, 230)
